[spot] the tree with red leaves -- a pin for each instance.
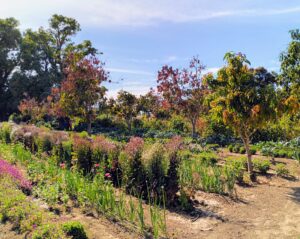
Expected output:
(81, 90)
(184, 91)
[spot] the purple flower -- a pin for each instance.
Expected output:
(12, 171)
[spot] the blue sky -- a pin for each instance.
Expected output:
(137, 37)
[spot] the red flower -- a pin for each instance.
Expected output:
(97, 165)
(62, 165)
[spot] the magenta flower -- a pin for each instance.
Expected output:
(12, 171)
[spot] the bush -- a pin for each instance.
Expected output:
(43, 142)
(63, 153)
(252, 151)
(5, 130)
(156, 170)
(82, 154)
(242, 150)
(136, 173)
(238, 166)
(236, 148)
(208, 158)
(48, 231)
(281, 170)
(261, 165)
(230, 148)
(74, 229)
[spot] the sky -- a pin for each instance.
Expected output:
(138, 37)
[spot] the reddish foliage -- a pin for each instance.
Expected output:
(102, 144)
(134, 146)
(174, 144)
(183, 90)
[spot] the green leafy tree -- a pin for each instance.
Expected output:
(127, 107)
(243, 98)
(43, 55)
(290, 78)
(10, 39)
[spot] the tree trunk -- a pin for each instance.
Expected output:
(128, 121)
(193, 128)
(89, 125)
(246, 142)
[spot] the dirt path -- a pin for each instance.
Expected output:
(269, 209)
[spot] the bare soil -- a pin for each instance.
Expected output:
(268, 209)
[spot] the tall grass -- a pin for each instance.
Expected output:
(204, 174)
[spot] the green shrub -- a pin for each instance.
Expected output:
(48, 231)
(252, 151)
(242, 150)
(63, 153)
(5, 130)
(74, 229)
(236, 148)
(282, 153)
(82, 156)
(43, 142)
(237, 166)
(281, 170)
(296, 156)
(261, 165)
(156, 167)
(230, 148)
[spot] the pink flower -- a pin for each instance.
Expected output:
(107, 175)
(62, 165)
(12, 171)
(97, 165)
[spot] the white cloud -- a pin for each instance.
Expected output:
(211, 70)
(130, 71)
(108, 13)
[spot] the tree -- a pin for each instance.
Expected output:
(10, 39)
(290, 74)
(243, 98)
(42, 58)
(184, 91)
(81, 90)
(126, 106)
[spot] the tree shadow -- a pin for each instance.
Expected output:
(295, 194)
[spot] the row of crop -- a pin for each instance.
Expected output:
(290, 149)
(59, 186)
(26, 217)
(143, 170)
(124, 164)
(238, 148)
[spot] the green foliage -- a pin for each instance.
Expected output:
(237, 166)
(156, 168)
(261, 165)
(48, 231)
(74, 229)
(5, 130)
(282, 170)
(242, 150)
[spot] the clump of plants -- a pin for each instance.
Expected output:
(261, 165)
(282, 170)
